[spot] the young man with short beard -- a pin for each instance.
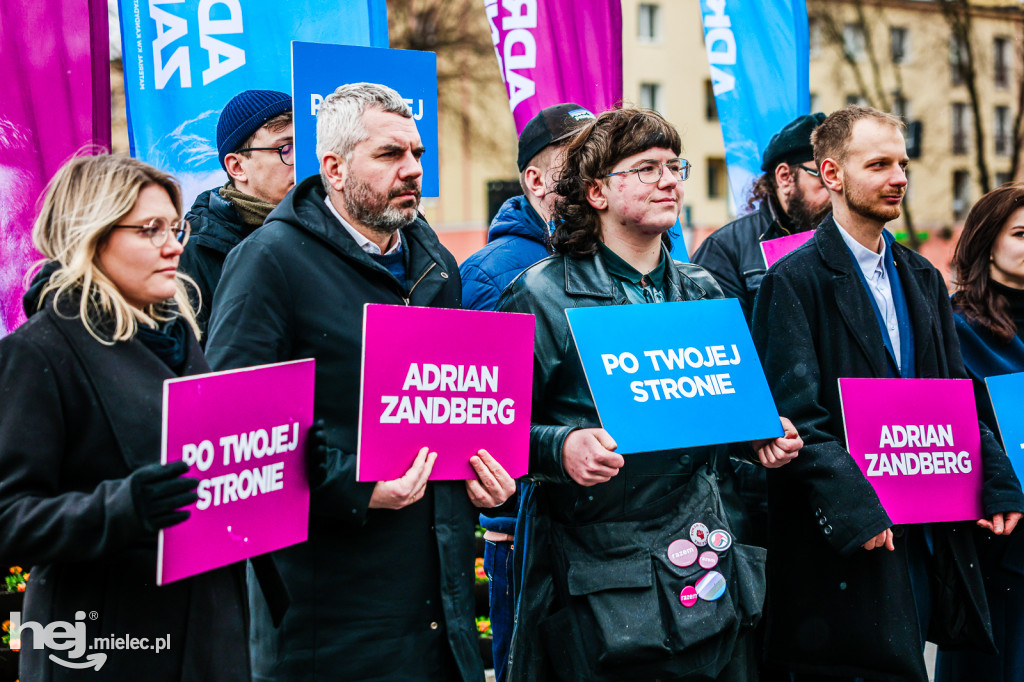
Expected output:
(621, 190)
(852, 596)
(383, 588)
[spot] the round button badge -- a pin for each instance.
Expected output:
(699, 534)
(707, 560)
(719, 540)
(688, 597)
(711, 586)
(682, 553)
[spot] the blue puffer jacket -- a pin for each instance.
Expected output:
(517, 239)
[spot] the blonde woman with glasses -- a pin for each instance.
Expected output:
(82, 492)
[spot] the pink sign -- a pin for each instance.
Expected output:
(774, 249)
(455, 381)
(917, 443)
(243, 434)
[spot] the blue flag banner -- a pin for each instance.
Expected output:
(1005, 392)
(759, 58)
(673, 375)
(679, 251)
(185, 59)
(318, 70)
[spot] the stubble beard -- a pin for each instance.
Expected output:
(859, 203)
(374, 209)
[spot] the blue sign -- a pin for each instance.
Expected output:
(673, 375)
(318, 70)
(759, 54)
(1005, 392)
(185, 59)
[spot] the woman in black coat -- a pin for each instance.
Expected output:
(82, 492)
(989, 317)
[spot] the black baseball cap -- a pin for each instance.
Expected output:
(549, 126)
(792, 144)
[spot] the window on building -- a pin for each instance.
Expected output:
(815, 102)
(900, 106)
(856, 100)
(1002, 177)
(650, 96)
(1001, 62)
(853, 40)
(957, 60)
(899, 44)
(960, 116)
(814, 36)
(961, 194)
(648, 24)
(717, 178)
(710, 107)
(1002, 130)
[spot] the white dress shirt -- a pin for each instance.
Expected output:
(873, 266)
(364, 243)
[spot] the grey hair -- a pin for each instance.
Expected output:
(339, 121)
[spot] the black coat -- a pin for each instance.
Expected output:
(833, 607)
(216, 229)
(375, 594)
(78, 417)
(732, 253)
(543, 642)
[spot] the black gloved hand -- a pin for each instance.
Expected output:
(316, 452)
(159, 490)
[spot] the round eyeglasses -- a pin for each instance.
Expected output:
(157, 230)
(650, 172)
(285, 151)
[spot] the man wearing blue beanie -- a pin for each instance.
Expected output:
(254, 145)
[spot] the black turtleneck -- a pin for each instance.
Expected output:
(1015, 299)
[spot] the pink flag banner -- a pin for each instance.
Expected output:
(243, 434)
(918, 444)
(55, 95)
(774, 249)
(555, 51)
(464, 383)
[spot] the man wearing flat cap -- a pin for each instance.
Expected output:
(792, 199)
(255, 147)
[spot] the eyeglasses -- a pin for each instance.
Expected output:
(285, 151)
(813, 172)
(651, 172)
(157, 230)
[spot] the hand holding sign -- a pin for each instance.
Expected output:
(410, 488)
(883, 539)
(774, 452)
(1001, 524)
(493, 485)
(588, 457)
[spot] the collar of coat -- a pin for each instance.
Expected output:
(304, 208)
(851, 298)
(590, 277)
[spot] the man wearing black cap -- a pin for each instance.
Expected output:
(517, 239)
(792, 199)
(254, 145)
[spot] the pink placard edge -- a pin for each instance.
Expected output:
(163, 439)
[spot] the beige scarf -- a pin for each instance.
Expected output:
(253, 211)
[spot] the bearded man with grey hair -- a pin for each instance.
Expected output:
(383, 588)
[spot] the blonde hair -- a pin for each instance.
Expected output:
(83, 201)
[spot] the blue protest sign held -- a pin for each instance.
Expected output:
(1005, 392)
(319, 69)
(673, 375)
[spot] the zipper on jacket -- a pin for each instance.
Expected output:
(408, 297)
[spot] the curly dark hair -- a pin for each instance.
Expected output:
(976, 300)
(592, 154)
(765, 187)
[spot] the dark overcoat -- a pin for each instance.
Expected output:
(365, 588)
(77, 418)
(833, 607)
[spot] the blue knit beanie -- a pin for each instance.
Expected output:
(244, 115)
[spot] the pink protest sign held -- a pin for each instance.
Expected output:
(774, 249)
(917, 443)
(455, 381)
(243, 434)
